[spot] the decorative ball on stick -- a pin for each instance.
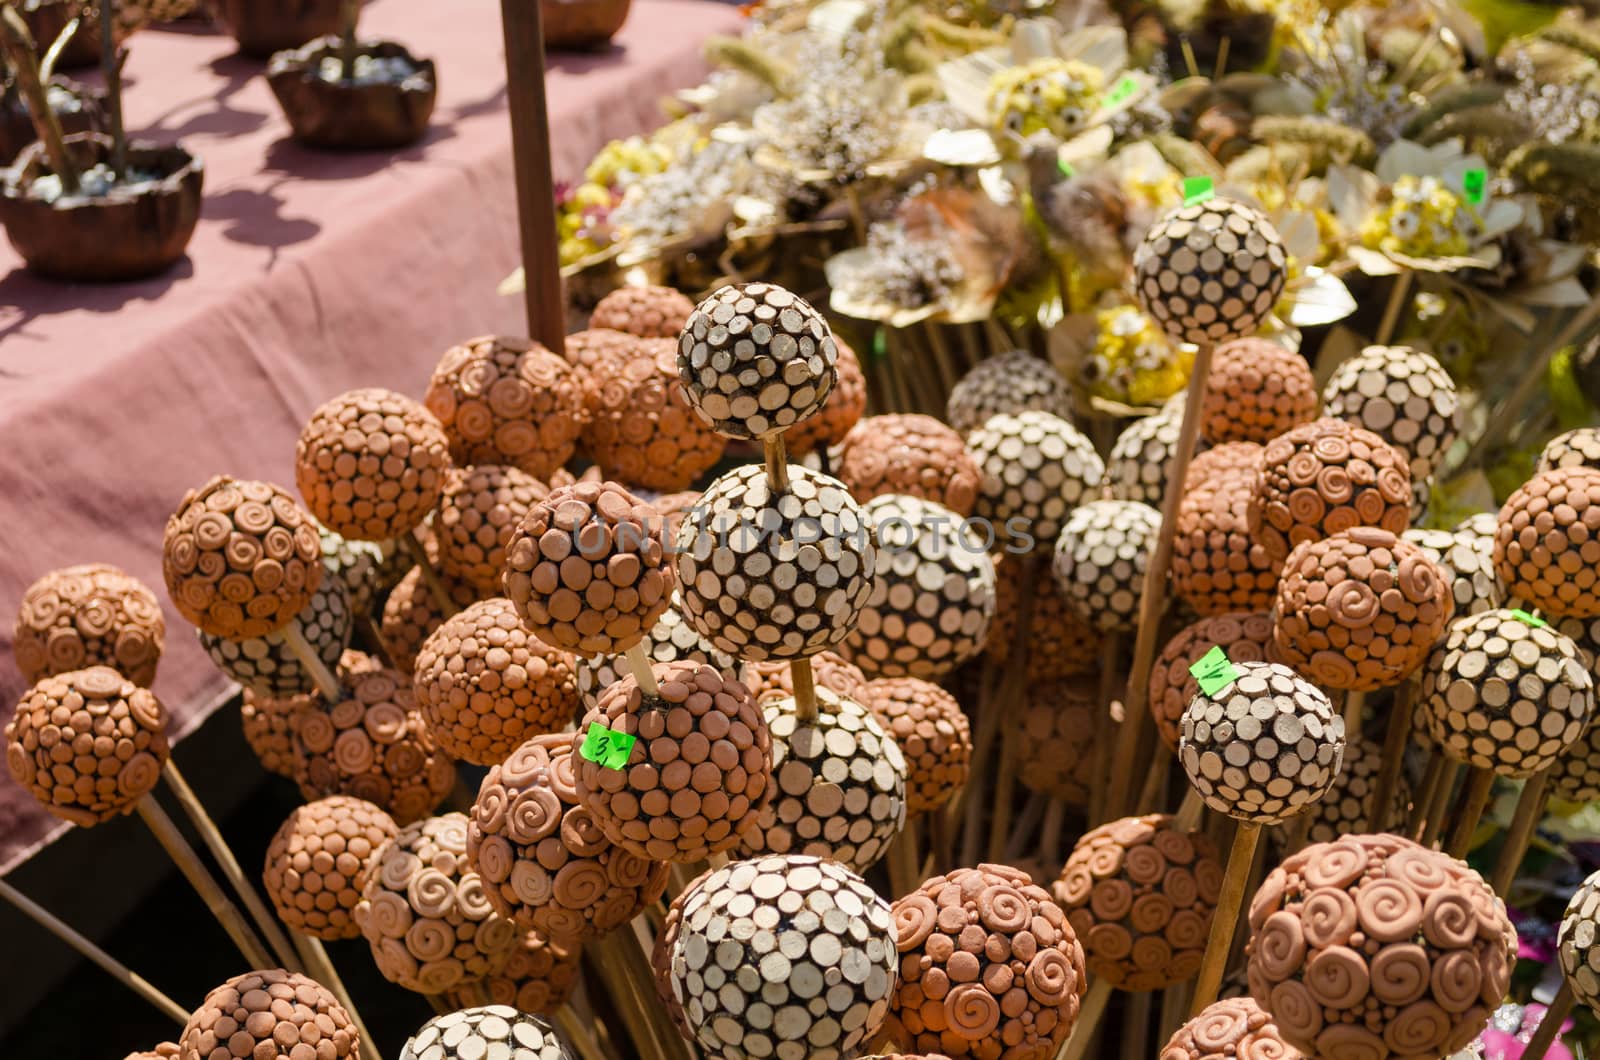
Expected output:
(361, 566)
(910, 455)
(932, 733)
(1059, 727)
(488, 1032)
(1210, 271)
(1576, 777)
(1243, 637)
(539, 976)
(1235, 1027)
(507, 401)
(648, 311)
(1576, 448)
(90, 615)
(774, 679)
(1466, 557)
(1036, 469)
(269, 726)
(1217, 566)
(670, 640)
(1402, 395)
(318, 863)
(845, 406)
(270, 1014)
(479, 509)
(412, 613)
(1349, 806)
(1547, 547)
(595, 355)
(269, 666)
(641, 429)
(1100, 560)
(1578, 944)
(1136, 468)
(1006, 384)
(1255, 391)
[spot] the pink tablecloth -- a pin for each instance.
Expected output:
(310, 274)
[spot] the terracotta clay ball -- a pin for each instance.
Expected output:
(1374, 946)
(538, 977)
(240, 558)
(1547, 548)
(774, 678)
(766, 575)
(1210, 272)
(641, 429)
(164, 1051)
(1036, 469)
(1263, 747)
(839, 785)
(1060, 644)
(839, 414)
(373, 745)
(270, 1015)
(1325, 477)
(1578, 942)
(1140, 894)
(507, 401)
(370, 464)
(787, 957)
(756, 359)
(479, 509)
(698, 773)
(1217, 565)
(588, 569)
(649, 312)
(1221, 459)
(90, 615)
(595, 355)
(1467, 560)
(911, 454)
(1255, 391)
(1501, 694)
(1059, 727)
(88, 744)
(933, 735)
(1236, 1027)
(671, 639)
(1243, 637)
(542, 855)
(269, 667)
(492, 1031)
(989, 967)
(317, 864)
(411, 615)
(1402, 395)
(1100, 560)
(1578, 448)
(1136, 469)
(674, 508)
(485, 685)
(1007, 383)
(1347, 808)
(426, 914)
(269, 726)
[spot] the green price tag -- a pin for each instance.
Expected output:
(1065, 167)
(606, 748)
(1120, 92)
(1214, 672)
(1473, 183)
(1533, 620)
(1198, 190)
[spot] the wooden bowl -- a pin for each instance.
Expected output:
(579, 25)
(352, 114)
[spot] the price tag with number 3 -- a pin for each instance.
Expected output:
(607, 748)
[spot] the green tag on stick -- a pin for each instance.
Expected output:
(1533, 620)
(1197, 190)
(1474, 182)
(606, 748)
(1214, 671)
(880, 345)
(1125, 87)
(1065, 167)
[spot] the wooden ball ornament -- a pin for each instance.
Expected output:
(933, 735)
(1036, 469)
(425, 913)
(671, 639)
(640, 428)
(1210, 272)
(1234, 1027)
(1242, 636)
(88, 744)
(267, 666)
(361, 566)
(787, 957)
(1060, 644)
(1547, 547)
(269, 726)
(318, 862)
(1006, 384)
(1359, 610)
(1466, 558)
(1577, 773)
(1229, 457)
(1576, 448)
(1402, 395)
(89, 615)
(1100, 560)
(1140, 894)
(539, 976)
(989, 967)
(661, 955)
(1059, 726)
(1255, 391)
(1578, 942)
(240, 558)
(1136, 468)
(270, 1014)
(1374, 945)
(485, 685)
(911, 455)
(479, 509)
(488, 1032)
(1217, 565)
(755, 360)
(507, 401)
(839, 414)
(774, 678)
(648, 311)
(1347, 808)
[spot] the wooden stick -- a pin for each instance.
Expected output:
(904, 870)
(1394, 754)
(805, 690)
(111, 61)
(1152, 601)
(113, 967)
(1530, 808)
(211, 835)
(320, 967)
(965, 812)
(626, 971)
(523, 27)
(1010, 686)
(1136, 1027)
(1391, 309)
(577, 1033)
(1187, 818)
(440, 1006)
(1055, 823)
(643, 672)
(1152, 794)
(1354, 704)
(1550, 1025)
(1005, 793)
(430, 574)
(294, 639)
(1432, 774)
(349, 18)
(1474, 799)
(1100, 809)
(1174, 1003)
(777, 458)
(1026, 827)
(188, 863)
(19, 47)
(1094, 1007)
(1441, 799)
(1229, 902)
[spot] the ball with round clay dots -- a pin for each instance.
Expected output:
(1036, 469)
(541, 854)
(642, 431)
(89, 615)
(539, 976)
(933, 735)
(370, 464)
(1466, 557)
(1242, 636)
(267, 665)
(594, 356)
(841, 412)
(1100, 560)
(1403, 396)
(1210, 272)
(373, 745)
(1347, 808)
(671, 639)
(479, 509)
(1360, 610)
(989, 966)
(910, 454)
(787, 957)
(164, 1051)
(270, 1014)
(768, 575)
(1217, 566)
(1007, 383)
(411, 614)
(317, 864)
(496, 1032)
(1373, 945)
(425, 914)
(1140, 893)
(1255, 391)
(649, 312)
(1576, 448)
(485, 685)
(507, 401)
(1264, 746)
(1506, 695)
(269, 726)
(240, 558)
(1578, 942)
(1325, 477)
(1547, 547)
(1238, 457)
(1234, 1027)
(1136, 468)
(775, 677)
(1059, 728)
(587, 569)
(88, 744)
(839, 784)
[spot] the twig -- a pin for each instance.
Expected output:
(111, 61)
(18, 44)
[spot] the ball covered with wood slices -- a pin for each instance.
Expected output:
(1466, 558)
(933, 735)
(507, 401)
(268, 666)
(1577, 772)
(648, 311)
(318, 861)
(911, 455)
(1058, 728)
(270, 1014)
(487, 1032)
(1217, 565)
(89, 615)
(1100, 560)
(1036, 469)
(1403, 396)
(1578, 943)
(1350, 806)
(1136, 467)
(1242, 636)
(361, 566)
(1576, 448)
(1007, 383)
(1234, 1027)
(587, 569)
(1547, 547)
(1256, 390)
(479, 509)
(1211, 271)
(641, 429)
(989, 967)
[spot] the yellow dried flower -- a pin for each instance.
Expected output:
(1423, 219)
(1052, 95)
(1133, 362)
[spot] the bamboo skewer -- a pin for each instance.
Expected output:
(1550, 1025)
(1474, 799)
(1530, 807)
(567, 1023)
(1434, 822)
(643, 672)
(430, 575)
(1394, 753)
(1136, 1027)
(624, 969)
(1229, 902)
(314, 956)
(1422, 800)
(522, 25)
(1017, 668)
(295, 639)
(1076, 1047)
